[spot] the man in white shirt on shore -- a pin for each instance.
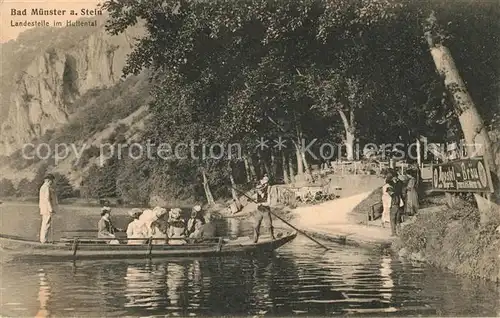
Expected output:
(48, 206)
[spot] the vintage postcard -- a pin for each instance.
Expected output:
(249, 158)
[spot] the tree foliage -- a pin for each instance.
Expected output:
(63, 187)
(234, 71)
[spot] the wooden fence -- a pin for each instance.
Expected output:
(359, 167)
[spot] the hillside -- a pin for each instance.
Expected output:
(46, 71)
(64, 86)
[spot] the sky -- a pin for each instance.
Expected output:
(9, 32)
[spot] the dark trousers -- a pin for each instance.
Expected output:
(394, 214)
(262, 212)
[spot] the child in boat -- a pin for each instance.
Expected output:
(105, 226)
(134, 229)
(177, 227)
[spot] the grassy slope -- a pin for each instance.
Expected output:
(454, 239)
(358, 214)
(447, 238)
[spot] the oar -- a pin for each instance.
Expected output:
(86, 231)
(282, 220)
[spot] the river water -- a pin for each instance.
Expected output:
(300, 279)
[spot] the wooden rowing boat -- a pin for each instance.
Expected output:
(79, 248)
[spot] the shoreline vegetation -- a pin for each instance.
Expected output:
(453, 239)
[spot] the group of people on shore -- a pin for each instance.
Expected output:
(399, 199)
(158, 224)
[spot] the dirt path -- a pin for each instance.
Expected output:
(332, 219)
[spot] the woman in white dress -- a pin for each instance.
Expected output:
(135, 229)
(386, 200)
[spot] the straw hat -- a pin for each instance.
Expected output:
(159, 212)
(134, 212)
(175, 213)
(105, 209)
(197, 208)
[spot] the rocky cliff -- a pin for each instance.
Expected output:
(45, 71)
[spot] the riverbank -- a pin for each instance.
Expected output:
(332, 221)
(453, 239)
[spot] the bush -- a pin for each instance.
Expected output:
(100, 182)
(7, 188)
(133, 183)
(26, 188)
(63, 187)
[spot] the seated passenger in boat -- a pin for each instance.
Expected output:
(195, 220)
(134, 229)
(147, 218)
(207, 230)
(159, 226)
(176, 227)
(105, 226)
(196, 233)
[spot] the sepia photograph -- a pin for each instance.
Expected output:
(249, 158)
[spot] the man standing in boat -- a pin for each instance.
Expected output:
(48, 206)
(263, 210)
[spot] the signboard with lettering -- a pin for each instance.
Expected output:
(465, 175)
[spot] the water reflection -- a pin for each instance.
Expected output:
(176, 275)
(195, 278)
(299, 279)
(234, 226)
(43, 295)
(387, 282)
(261, 277)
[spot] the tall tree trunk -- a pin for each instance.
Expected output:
(419, 153)
(233, 187)
(290, 169)
(260, 165)
(274, 166)
(248, 172)
(300, 163)
(473, 128)
(307, 170)
(206, 187)
(266, 167)
(350, 136)
(252, 168)
(283, 165)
